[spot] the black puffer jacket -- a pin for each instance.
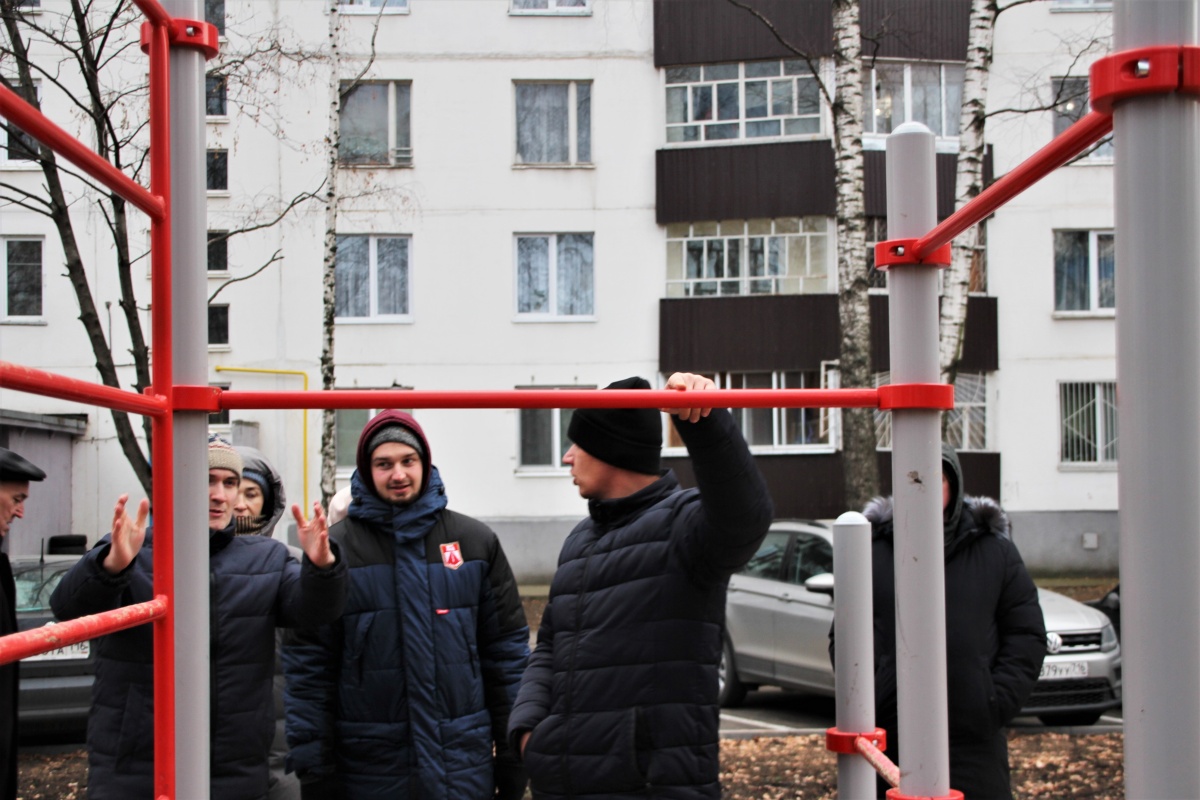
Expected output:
(995, 635)
(255, 585)
(621, 692)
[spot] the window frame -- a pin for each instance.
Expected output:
(874, 139)
(21, 164)
(883, 419)
(743, 231)
(218, 347)
(398, 157)
(552, 10)
(573, 129)
(558, 435)
(1062, 118)
(1094, 309)
(212, 157)
(23, 319)
(216, 79)
(358, 8)
(373, 317)
(220, 240)
(552, 272)
(1104, 423)
(823, 74)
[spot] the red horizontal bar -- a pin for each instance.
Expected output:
(1068, 144)
(550, 398)
(60, 634)
(154, 11)
(48, 384)
(33, 122)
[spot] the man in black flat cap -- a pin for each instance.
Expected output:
(620, 696)
(15, 475)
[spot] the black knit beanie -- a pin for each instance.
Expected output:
(627, 438)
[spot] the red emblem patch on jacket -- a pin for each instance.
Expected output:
(452, 555)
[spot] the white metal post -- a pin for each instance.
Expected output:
(189, 215)
(917, 476)
(1157, 166)
(853, 628)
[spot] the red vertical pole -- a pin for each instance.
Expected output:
(163, 427)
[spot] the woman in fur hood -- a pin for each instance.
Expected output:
(995, 635)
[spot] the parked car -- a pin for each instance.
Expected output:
(55, 687)
(1110, 604)
(780, 609)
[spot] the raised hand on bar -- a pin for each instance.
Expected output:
(686, 381)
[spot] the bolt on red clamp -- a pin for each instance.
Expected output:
(1144, 70)
(202, 36)
(902, 251)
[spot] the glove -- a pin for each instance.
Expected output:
(510, 780)
(322, 788)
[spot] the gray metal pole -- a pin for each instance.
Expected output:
(189, 214)
(917, 477)
(853, 627)
(1157, 165)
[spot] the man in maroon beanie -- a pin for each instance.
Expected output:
(620, 697)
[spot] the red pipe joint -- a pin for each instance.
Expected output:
(1144, 70)
(202, 36)
(895, 252)
(894, 794)
(936, 396)
(844, 742)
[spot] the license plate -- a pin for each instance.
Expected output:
(1058, 670)
(71, 651)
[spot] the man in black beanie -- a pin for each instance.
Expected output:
(620, 697)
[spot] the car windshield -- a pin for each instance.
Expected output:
(35, 583)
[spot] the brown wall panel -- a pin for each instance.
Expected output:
(745, 181)
(981, 473)
(875, 183)
(933, 30)
(715, 31)
(746, 334)
(981, 345)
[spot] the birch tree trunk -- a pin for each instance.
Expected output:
(861, 470)
(967, 248)
(328, 416)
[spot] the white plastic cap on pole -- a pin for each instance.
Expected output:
(917, 476)
(853, 628)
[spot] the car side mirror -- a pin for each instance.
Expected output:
(820, 584)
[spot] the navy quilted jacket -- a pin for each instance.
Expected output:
(621, 691)
(255, 585)
(409, 692)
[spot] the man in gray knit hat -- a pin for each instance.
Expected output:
(255, 585)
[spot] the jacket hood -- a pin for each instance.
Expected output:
(255, 461)
(952, 513)
(382, 420)
(978, 516)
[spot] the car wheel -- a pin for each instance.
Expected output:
(730, 691)
(1071, 718)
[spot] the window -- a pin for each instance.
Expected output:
(371, 277)
(779, 428)
(1084, 271)
(373, 6)
(742, 101)
(1071, 104)
(1089, 422)
(22, 292)
(758, 256)
(964, 427)
(218, 325)
(922, 92)
(1081, 5)
(550, 6)
(375, 121)
(20, 147)
(768, 561)
(543, 435)
(214, 13)
(554, 123)
(554, 275)
(219, 417)
(214, 95)
(348, 424)
(812, 556)
(218, 251)
(876, 233)
(217, 170)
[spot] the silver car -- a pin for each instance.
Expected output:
(780, 609)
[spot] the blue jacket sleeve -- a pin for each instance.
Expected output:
(735, 505)
(87, 588)
(308, 596)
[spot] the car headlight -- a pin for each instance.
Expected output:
(1108, 639)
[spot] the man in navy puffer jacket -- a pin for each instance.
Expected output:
(408, 694)
(255, 585)
(620, 698)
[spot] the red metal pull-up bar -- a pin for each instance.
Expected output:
(60, 634)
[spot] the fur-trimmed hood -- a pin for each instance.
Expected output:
(981, 515)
